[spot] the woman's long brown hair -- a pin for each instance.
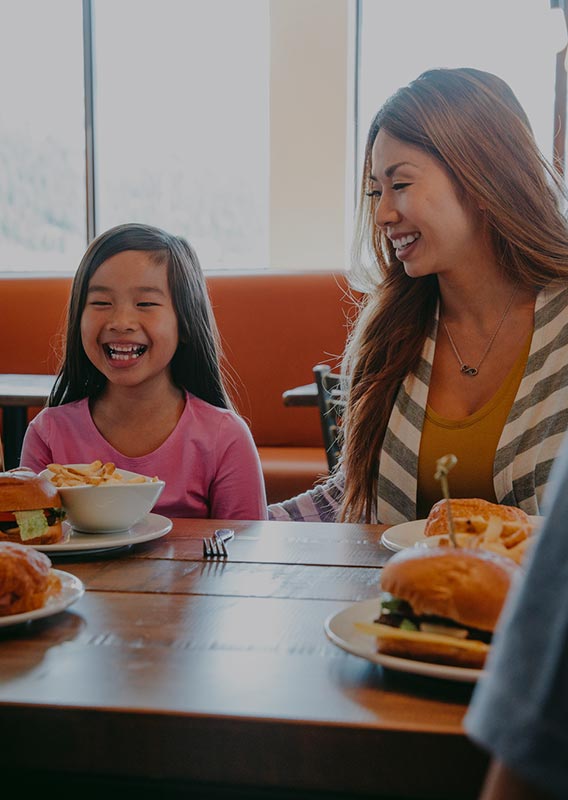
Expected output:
(473, 124)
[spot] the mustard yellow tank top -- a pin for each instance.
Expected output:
(473, 440)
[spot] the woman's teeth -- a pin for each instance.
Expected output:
(123, 352)
(404, 241)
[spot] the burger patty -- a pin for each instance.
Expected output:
(8, 521)
(405, 612)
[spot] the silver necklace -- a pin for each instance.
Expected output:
(465, 368)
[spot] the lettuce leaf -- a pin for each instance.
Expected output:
(31, 523)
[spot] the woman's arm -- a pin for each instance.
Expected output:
(320, 504)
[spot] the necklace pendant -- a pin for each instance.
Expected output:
(468, 370)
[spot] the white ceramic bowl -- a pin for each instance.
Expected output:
(110, 507)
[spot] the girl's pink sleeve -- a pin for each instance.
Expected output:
(237, 491)
(36, 453)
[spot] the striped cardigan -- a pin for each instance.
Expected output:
(528, 445)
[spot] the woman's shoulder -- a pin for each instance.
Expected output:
(556, 291)
(551, 308)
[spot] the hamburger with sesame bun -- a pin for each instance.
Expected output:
(441, 604)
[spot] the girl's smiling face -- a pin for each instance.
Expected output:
(417, 206)
(129, 327)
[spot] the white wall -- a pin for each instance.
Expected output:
(311, 116)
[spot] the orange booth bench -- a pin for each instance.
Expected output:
(274, 328)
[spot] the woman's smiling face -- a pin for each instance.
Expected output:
(129, 327)
(416, 204)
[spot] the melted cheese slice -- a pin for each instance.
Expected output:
(388, 632)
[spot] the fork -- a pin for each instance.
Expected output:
(214, 546)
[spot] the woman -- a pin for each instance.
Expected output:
(460, 348)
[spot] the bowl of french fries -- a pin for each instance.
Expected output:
(505, 537)
(99, 498)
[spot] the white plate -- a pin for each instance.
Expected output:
(151, 527)
(407, 534)
(340, 629)
(71, 590)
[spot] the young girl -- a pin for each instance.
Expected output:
(461, 345)
(141, 383)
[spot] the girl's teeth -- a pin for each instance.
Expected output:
(125, 352)
(120, 357)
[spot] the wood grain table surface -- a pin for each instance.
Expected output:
(187, 677)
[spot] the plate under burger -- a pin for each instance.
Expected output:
(408, 534)
(71, 590)
(340, 629)
(153, 526)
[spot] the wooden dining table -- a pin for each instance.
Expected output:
(177, 676)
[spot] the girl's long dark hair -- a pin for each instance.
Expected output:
(196, 362)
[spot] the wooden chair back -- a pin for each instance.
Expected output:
(330, 403)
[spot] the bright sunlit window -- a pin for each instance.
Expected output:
(181, 90)
(42, 140)
(230, 122)
(517, 41)
(181, 127)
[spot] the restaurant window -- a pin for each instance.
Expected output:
(517, 41)
(177, 128)
(42, 160)
(228, 122)
(181, 122)
(239, 124)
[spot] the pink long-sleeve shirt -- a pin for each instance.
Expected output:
(209, 462)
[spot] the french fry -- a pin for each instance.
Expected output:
(94, 474)
(493, 530)
(515, 538)
(507, 538)
(470, 524)
(478, 524)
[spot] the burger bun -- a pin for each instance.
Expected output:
(465, 508)
(431, 647)
(465, 587)
(26, 579)
(23, 490)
